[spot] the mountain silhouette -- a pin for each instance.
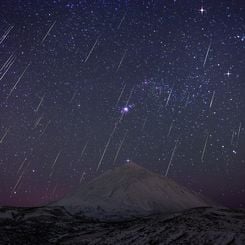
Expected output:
(130, 190)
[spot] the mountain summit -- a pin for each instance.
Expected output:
(130, 190)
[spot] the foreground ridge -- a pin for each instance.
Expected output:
(53, 225)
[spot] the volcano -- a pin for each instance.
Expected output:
(130, 191)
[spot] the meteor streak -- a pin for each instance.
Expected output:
(91, 50)
(204, 148)
(144, 123)
(21, 165)
(119, 148)
(171, 158)
(7, 62)
(238, 133)
(129, 97)
(232, 136)
(82, 177)
(206, 56)
(56, 159)
(45, 128)
(4, 135)
(118, 27)
(38, 121)
(18, 181)
(120, 95)
(212, 99)
(49, 30)
(40, 103)
(83, 150)
(121, 61)
(169, 96)
(4, 36)
(7, 65)
(14, 87)
(106, 146)
(170, 128)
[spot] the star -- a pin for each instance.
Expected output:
(202, 10)
(125, 109)
(228, 73)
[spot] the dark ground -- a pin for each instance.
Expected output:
(24, 226)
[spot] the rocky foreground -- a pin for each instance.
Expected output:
(54, 225)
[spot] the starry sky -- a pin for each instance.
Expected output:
(88, 85)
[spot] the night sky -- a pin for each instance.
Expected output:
(88, 85)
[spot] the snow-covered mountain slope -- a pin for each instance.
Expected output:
(50, 225)
(130, 190)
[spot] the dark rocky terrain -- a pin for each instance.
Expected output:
(54, 225)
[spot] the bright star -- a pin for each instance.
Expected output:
(125, 109)
(202, 10)
(228, 73)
